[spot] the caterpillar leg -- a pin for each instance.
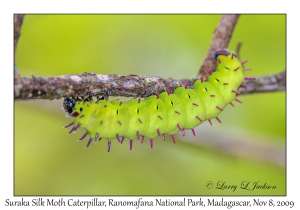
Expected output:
(89, 98)
(105, 96)
(156, 90)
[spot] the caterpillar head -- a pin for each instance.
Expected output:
(69, 106)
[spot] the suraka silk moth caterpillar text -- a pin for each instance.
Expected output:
(161, 114)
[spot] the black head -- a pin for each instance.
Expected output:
(69, 105)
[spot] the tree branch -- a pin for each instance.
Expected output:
(119, 85)
(222, 36)
(98, 84)
(270, 83)
(18, 21)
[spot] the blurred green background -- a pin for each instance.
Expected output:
(49, 161)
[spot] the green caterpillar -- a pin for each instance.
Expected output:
(161, 114)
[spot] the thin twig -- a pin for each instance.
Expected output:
(270, 83)
(222, 36)
(238, 50)
(18, 21)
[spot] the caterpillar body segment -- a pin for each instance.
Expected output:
(224, 85)
(161, 114)
(139, 118)
(196, 112)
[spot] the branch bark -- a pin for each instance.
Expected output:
(270, 83)
(80, 85)
(119, 85)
